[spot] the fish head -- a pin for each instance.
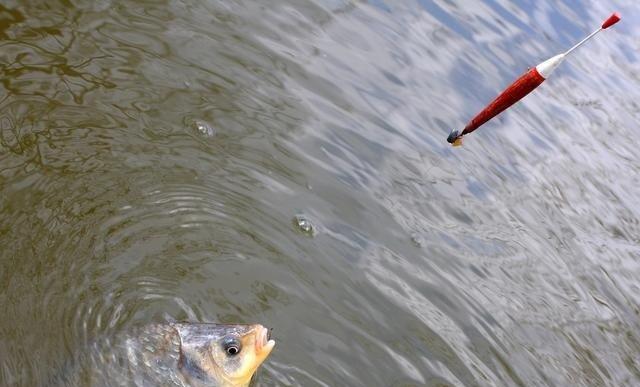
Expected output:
(222, 354)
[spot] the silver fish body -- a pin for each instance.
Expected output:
(174, 355)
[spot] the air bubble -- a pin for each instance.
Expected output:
(304, 225)
(203, 128)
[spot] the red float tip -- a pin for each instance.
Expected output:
(613, 19)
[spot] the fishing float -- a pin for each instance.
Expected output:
(522, 86)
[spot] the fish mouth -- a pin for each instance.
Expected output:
(264, 342)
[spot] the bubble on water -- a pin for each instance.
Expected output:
(304, 225)
(203, 128)
(417, 240)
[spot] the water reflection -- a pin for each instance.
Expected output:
(154, 154)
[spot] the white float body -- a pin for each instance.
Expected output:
(546, 68)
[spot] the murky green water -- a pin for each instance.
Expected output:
(156, 157)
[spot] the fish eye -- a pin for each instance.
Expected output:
(231, 346)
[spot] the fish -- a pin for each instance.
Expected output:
(175, 354)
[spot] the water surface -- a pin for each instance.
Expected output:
(156, 158)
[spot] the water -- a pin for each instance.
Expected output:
(154, 153)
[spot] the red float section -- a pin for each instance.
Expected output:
(522, 86)
(613, 19)
(512, 94)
